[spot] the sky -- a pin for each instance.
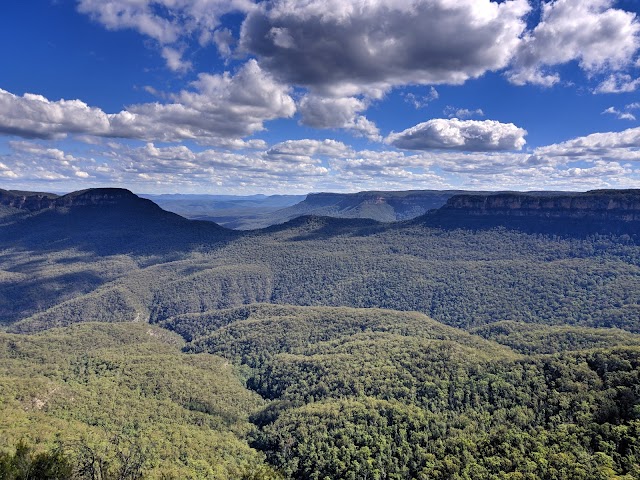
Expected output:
(297, 96)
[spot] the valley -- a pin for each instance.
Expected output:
(460, 344)
(320, 240)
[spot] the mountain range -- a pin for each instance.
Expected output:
(259, 211)
(495, 335)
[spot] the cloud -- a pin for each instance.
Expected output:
(390, 170)
(6, 172)
(174, 60)
(421, 101)
(219, 107)
(322, 112)
(577, 179)
(618, 83)
(342, 49)
(308, 148)
(592, 32)
(34, 116)
(534, 76)
(620, 115)
(346, 49)
(223, 38)
(452, 112)
(455, 134)
(38, 162)
(218, 110)
(613, 146)
(165, 21)
(600, 160)
(600, 169)
(151, 166)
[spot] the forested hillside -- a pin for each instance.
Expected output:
(321, 348)
(121, 401)
(462, 278)
(342, 393)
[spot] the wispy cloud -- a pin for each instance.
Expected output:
(620, 115)
(168, 22)
(462, 113)
(422, 101)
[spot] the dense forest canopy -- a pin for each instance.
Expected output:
(138, 344)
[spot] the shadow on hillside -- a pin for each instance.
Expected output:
(103, 231)
(579, 228)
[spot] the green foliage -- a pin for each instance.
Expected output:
(379, 394)
(459, 277)
(123, 398)
(352, 393)
(249, 334)
(533, 389)
(25, 464)
(531, 338)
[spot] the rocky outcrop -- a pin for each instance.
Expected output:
(593, 212)
(33, 201)
(619, 205)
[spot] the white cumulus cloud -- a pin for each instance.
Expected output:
(455, 134)
(621, 115)
(218, 110)
(34, 116)
(614, 146)
(592, 32)
(174, 60)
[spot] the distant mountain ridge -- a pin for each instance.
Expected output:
(31, 201)
(612, 211)
(261, 211)
(309, 260)
(382, 206)
(377, 205)
(107, 219)
(231, 211)
(247, 213)
(606, 204)
(34, 201)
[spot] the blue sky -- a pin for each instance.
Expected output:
(293, 96)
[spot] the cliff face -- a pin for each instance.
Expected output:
(30, 201)
(33, 201)
(594, 212)
(615, 205)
